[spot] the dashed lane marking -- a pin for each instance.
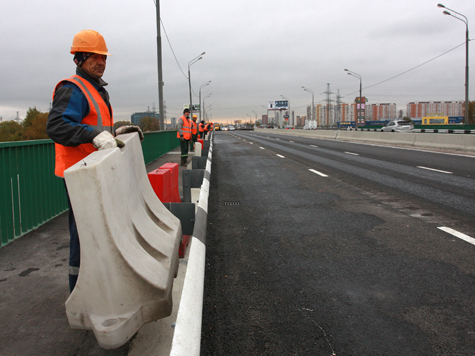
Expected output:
(317, 172)
(280, 156)
(458, 234)
(435, 170)
(352, 153)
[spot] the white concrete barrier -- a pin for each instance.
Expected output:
(129, 245)
(198, 149)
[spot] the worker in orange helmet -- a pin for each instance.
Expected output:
(81, 120)
(194, 132)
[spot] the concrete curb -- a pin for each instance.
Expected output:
(458, 142)
(187, 335)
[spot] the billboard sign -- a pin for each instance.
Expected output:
(196, 107)
(278, 105)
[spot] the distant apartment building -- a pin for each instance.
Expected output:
(137, 116)
(265, 120)
(419, 109)
(380, 112)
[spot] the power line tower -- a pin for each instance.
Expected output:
(338, 107)
(328, 107)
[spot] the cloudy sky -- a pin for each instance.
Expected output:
(256, 51)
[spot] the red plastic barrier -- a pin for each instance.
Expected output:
(174, 193)
(184, 243)
(160, 179)
(201, 141)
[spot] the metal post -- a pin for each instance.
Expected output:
(160, 75)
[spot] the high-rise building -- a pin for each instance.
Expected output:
(418, 109)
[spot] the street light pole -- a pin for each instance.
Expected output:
(313, 102)
(161, 117)
(466, 55)
(200, 96)
(361, 110)
(256, 116)
(193, 61)
(204, 108)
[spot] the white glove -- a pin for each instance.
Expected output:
(105, 140)
(129, 128)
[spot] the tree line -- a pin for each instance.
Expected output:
(34, 126)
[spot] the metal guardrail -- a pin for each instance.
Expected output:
(30, 193)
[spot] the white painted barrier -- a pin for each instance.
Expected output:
(129, 245)
(198, 149)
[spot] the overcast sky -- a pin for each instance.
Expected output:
(256, 51)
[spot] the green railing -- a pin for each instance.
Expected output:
(30, 193)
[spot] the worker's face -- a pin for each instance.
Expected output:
(187, 114)
(95, 65)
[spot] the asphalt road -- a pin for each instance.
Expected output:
(321, 247)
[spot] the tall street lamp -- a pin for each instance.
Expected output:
(290, 112)
(161, 111)
(204, 108)
(255, 114)
(361, 108)
(205, 84)
(466, 54)
(313, 102)
(193, 61)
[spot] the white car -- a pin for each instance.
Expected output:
(398, 126)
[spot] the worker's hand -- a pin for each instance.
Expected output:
(129, 128)
(105, 140)
(181, 138)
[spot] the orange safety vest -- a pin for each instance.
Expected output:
(99, 117)
(194, 130)
(186, 128)
(201, 127)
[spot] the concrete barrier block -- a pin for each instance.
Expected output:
(129, 245)
(198, 146)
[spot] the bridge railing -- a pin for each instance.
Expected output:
(30, 193)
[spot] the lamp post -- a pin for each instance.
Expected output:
(204, 108)
(466, 55)
(290, 112)
(361, 109)
(255, 114)
(193, 61)
(250, 119)
(200, 95)
(161, 117)
(313, 102)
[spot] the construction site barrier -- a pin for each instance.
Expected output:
(129, 245)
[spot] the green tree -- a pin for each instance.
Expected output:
(471, 112)
(10, 131)
(148, 123)
(121, 123)
(34, 125)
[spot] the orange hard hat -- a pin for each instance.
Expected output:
(89, 41)
(194, 116)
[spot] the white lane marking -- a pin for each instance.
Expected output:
(280, 156)
(250, 142)
(458, 234)
(317, 172)
(291, 141)
(262, 148)
(351, 153)
(435, 170)
(313, 146)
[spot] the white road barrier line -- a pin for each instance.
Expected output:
(458, 234)
(435, 170)
(280, 156)
(351, 153)
(317, 172)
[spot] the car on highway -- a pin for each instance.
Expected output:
(225, 128)
(231, 128)
(398, 126)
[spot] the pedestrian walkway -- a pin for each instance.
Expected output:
(34, 287)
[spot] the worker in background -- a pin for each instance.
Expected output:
(201, 128)
(81, 121)
(194, 133)
(184, 134)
